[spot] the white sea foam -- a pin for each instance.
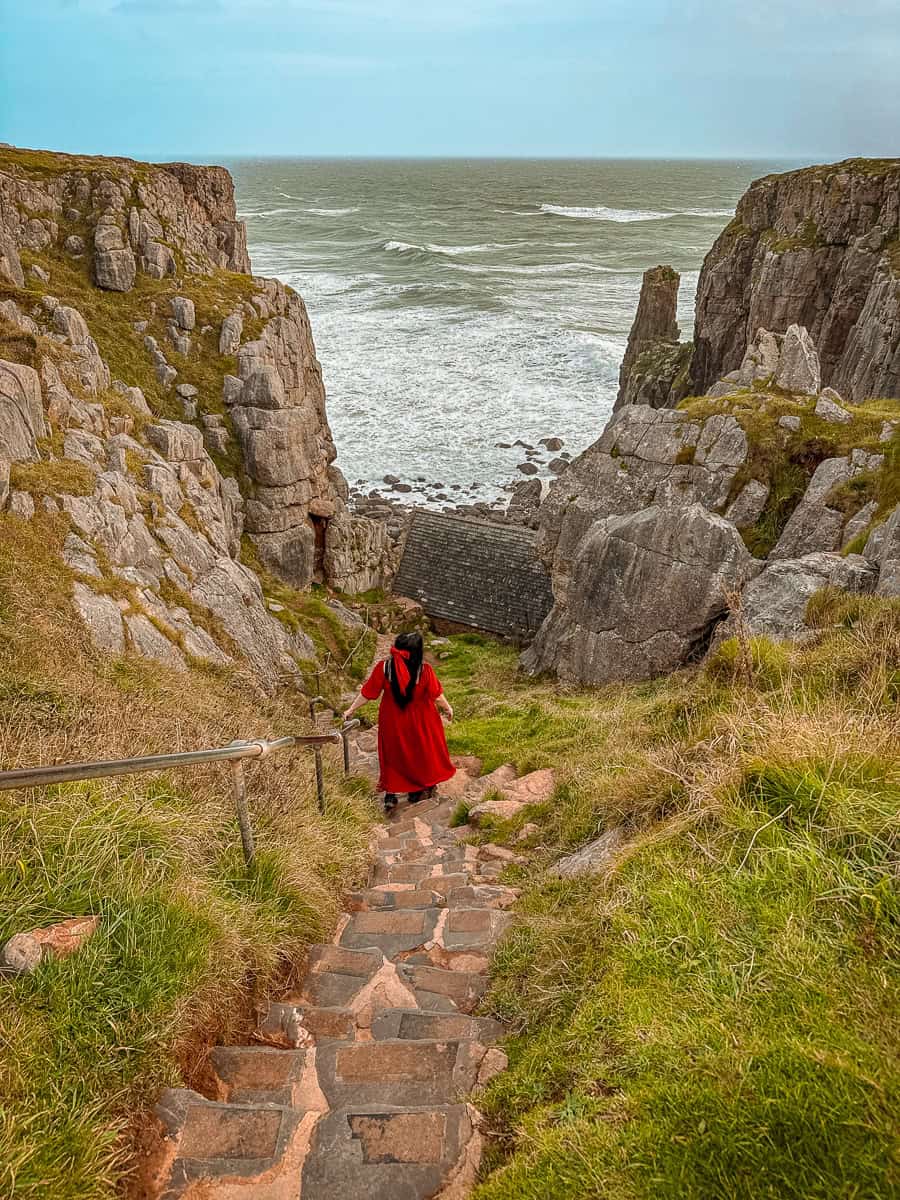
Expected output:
(627, 215)
(330, 212)
(264, 212)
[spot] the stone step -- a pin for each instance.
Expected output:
(235, 1147)
(384, 1153)
(419, 1024)
(267, 1075)
(440, 990)
(373, 899)
(398, 1071)
(393, 931)
(483, 895)
(299, 1025)
(363, 982)
(432, 932)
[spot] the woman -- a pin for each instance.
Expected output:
(412, 749)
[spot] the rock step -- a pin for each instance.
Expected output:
(229, 1144)
(398, 1071)
(402, 931)
(372, 899)
(417, 1023)
(298, 1025)
(385, 1153)
(440, 990)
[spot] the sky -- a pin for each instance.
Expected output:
(810, 79)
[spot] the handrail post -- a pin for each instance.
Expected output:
(239, 784)
(345, 742)
(320, 776)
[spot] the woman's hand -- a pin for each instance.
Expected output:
(349, 713)
(448, 711)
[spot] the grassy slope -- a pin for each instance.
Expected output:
(189, 938)
(716, 1016)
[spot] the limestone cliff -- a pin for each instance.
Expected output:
(820, 248)
(171, 404)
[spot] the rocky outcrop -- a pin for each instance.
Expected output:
(817, 248)
(157, 536)
(735, 460)
(645, 593)
(654, 370)
(814, 524)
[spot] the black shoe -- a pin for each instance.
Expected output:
(415, 797)
(390, 802)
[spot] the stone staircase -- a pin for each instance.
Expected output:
(360, 1083)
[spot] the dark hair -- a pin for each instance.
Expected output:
(412, 642)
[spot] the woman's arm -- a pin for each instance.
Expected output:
(358, 701)
(445, 706)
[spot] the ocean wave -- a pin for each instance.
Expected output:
(628, 215)
(544, 269)
(330, 212)
(264, 212)
(450, 251)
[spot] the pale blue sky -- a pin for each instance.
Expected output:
(211, 78)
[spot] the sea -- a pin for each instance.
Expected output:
(458, 304)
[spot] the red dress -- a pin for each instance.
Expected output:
(412, 748)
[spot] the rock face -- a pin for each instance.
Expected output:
(645, 593)
(883, 552)
(814, 524)
(654, 370)
(162, 524)
(816, 248)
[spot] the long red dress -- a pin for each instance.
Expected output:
(412, 748)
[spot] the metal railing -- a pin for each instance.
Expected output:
(235, 753)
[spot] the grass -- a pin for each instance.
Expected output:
(189, 939)
(715, 1015)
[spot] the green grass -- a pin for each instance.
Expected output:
(716, 1016)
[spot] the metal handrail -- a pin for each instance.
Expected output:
(234, 753)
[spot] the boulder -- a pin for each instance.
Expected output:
(183, 313)
(176, 441)
(798, 368)
(10, 263)
(114, 270)
(831, 412)
(883, 552)
(645, 593)
(593, 858)
(774, 603)
(21, 412)
(101, 617)
(747, 506)
(230, 333)
(644, 457)
(74, 245)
